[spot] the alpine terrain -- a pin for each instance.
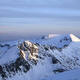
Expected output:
(49, 58)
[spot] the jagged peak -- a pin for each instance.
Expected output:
(28, 50)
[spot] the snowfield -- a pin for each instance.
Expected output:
(69, 75)
(57, 58)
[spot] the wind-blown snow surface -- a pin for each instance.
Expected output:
(69, 75)
(10, 55)
(8, 52)
(68, 59)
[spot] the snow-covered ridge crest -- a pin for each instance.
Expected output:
(74, 38)
(59, 40)
(28, 50)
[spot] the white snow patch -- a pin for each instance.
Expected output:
(74, 38)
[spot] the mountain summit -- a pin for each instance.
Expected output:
(74, 38)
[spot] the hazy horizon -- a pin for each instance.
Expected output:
(33, 18)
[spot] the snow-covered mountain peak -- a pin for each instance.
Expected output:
(74, 38)
(52, 36)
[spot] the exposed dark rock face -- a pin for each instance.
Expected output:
(20, 65)
(2, 72)
(58, 70)
(46, 48)
(43, 37)
(5, 45)
(53, 47)
(54, 60)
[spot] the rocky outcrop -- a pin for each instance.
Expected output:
(28, 50)
(8, 70)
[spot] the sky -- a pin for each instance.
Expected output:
(31, 18)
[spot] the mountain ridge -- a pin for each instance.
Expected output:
(39, 57)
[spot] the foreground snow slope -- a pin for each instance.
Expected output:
(69, 75)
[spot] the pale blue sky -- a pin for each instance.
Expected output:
(27, 18)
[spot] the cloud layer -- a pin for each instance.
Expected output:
(58, 16)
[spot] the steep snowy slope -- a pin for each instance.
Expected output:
(8, 51)
(10, 55)
(69, 56)
(40, 59)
